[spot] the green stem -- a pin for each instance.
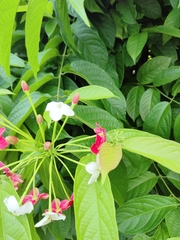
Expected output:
(50, 184)
(64, 189)
(71, 160)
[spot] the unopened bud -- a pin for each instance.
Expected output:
(24, 86)
(12, 140)
(39, 119)
(75, 99)
(47, 145)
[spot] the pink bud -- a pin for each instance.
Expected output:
(12, 140)
(39, 119)
(47, 145)
(75, 99)
(24, 86)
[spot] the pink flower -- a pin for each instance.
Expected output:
(34, 197)
(15, 178)
(100, 138)
(24, 86)
(3, 142)
(60, 206)
(75, 99)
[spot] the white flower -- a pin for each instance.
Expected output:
(50, 216)
(58, 109)
(94, 169)
(13, 206)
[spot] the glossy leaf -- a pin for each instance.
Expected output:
(92, 203)
(165, 152)
(149, 99)
(34, 17)
(12, 227)
(90, 45)
(119, 183)
(143, 214)
(135, 44)
(141, 185)
(133, 100)
(176, 128)
(7, 12)
(109, 158)
(149, 70)
(61, 12)
(79, 8)
(171, 31)
(161, 232)
(89, 115)
(167, 76)
(5, 91)
(173, 223)
(159, 119)
(174, 178)
(150, 8)
(92, 92)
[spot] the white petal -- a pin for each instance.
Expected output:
(94, 177)
(43, 222)
(50, 106)
(66, 110)
(25, 208)
(11, 204)
(55, 115)
(92, 167)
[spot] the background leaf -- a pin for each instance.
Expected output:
(143, 214)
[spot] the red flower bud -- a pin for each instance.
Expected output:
(75, 99)
(12, 140)
(24, 86)
(47, 145)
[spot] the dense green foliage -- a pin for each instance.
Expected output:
(122, 57)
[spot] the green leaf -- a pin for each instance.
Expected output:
(172, 20)
(45, 55)
(61, 12)
(79, 8)
(176, 129)
(34, 17)
(109, 158)
(92, 92)
(159, 119)
(89, 115)
(143, 214)
(149, 70)
(93, 74)
(171, 31)
(7, 12)
(165, 152)
(4, 91)
(174, 179)
(167, 76)
(22, 110)
(149, 99)
(141, 185)
(161, 232)
(173, 222)
(90, 45)
(127, 10)
(135, 44)
(16, 61)
(133, 100)
(93, 206)
(119, 183)
(11, 227)
(150, 8)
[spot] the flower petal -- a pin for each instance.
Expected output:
(26, 208)
(92, 167)
(43, 221)
(50, 106)
(2, 130)
(94, 177)
(3, 143)
(11, 204)
(66, 110)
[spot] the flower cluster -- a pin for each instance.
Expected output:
(94, 168)
(15, 178)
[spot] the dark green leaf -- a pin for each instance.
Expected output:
(173, 222)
